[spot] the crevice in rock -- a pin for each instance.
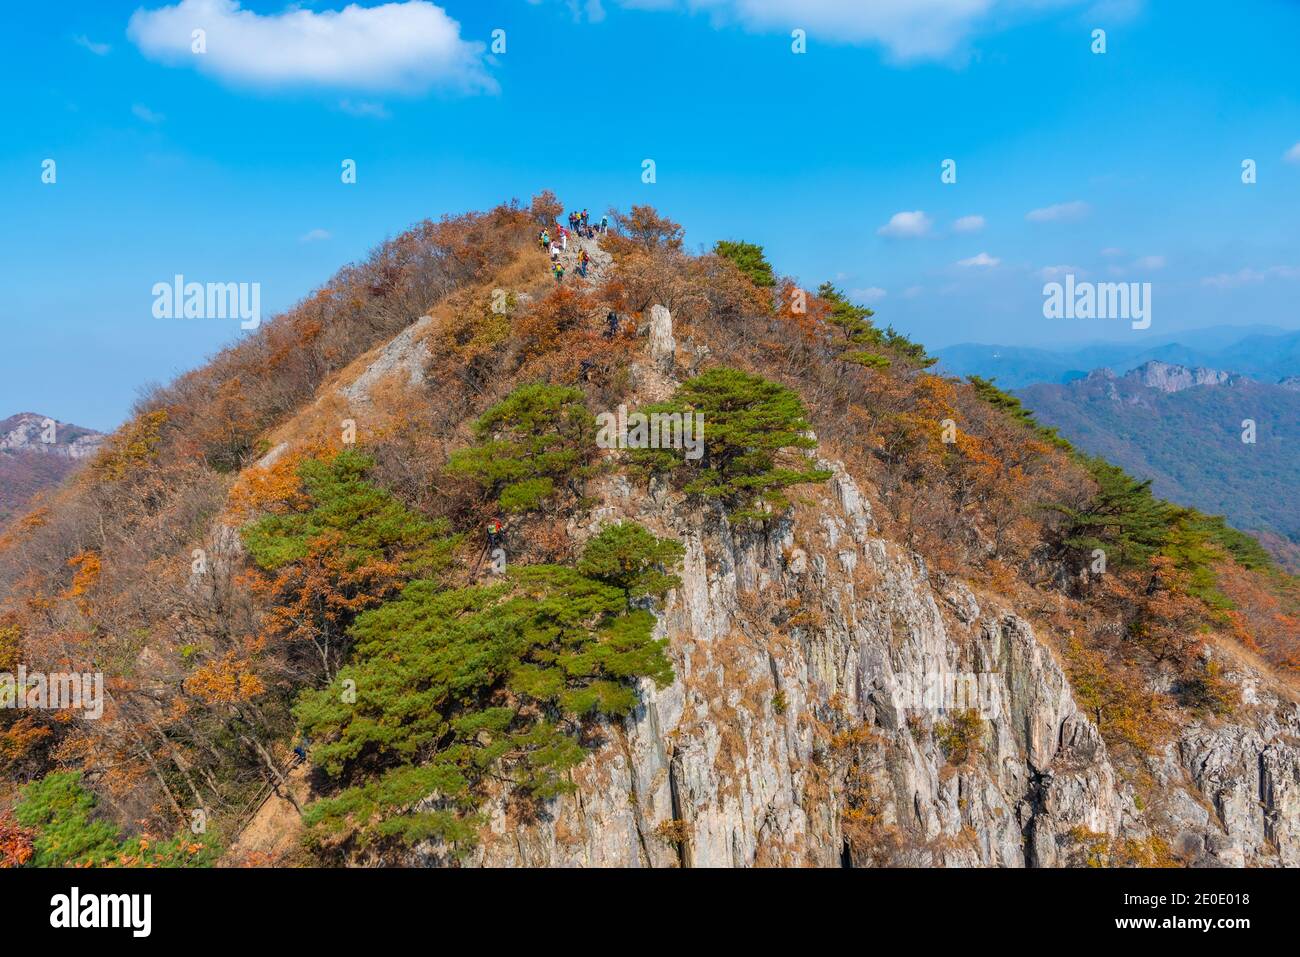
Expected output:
(1033, 800)
(674, 794)
(637, 814)
(1267, 803)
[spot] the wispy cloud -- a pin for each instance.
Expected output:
(1060, 212)
(143, 112)
(869, 294)
(1293, 154)
(1056, 272)
(99, 49)
(1249, 275)
(968, 224)
(981, 260)
(906, 225)
(906, 29)
(406, 47)
(1150, 262)
(315, 236)
(364, 108)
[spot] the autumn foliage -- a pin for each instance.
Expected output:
(228, 601)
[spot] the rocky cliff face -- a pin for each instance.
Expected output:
(821, 716)
(29, 432)
(1167, 377)
(37, 453)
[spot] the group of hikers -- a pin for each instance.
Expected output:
(579, 224)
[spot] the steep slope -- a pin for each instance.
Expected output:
(881, 641)
(823, 675)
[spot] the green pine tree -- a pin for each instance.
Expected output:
(749, 259)
(452, 687)
(69, 832)
(855, 321)
(533, 443)
(748, 422)
(365, 522)
(1123, 519)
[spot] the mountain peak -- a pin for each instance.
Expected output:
(1170, 377)
(33, 432)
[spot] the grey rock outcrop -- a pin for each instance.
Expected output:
(662, 345)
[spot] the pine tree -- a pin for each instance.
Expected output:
(748, 422)
(345, 546)
(454, 686)
(987, 390)
(529, 445)
(1123, 518)
(67, 831)
(855, 321)
(749, 259)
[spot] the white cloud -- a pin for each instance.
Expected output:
(99, 49)
(405, 47)
(906, 225)
(983, 259)
(870, 294)
(1249, 276)
(1056, 272)
(315, 235)
(1060, 212)
(968, 224)
(1150, 262)
(911, 292)
(1293, 154)
(907, 29)
(1110, 252)
(364, 108)
(144, 113)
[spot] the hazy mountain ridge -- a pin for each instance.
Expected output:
(1265, 353)
(1183, 429)
(36, 453)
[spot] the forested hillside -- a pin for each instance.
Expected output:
(373, 560)
(1229, 447)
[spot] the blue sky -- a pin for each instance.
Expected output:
(1124, 165)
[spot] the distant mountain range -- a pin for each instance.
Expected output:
(36, 453)
(1183, 428)
(1265, 353)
